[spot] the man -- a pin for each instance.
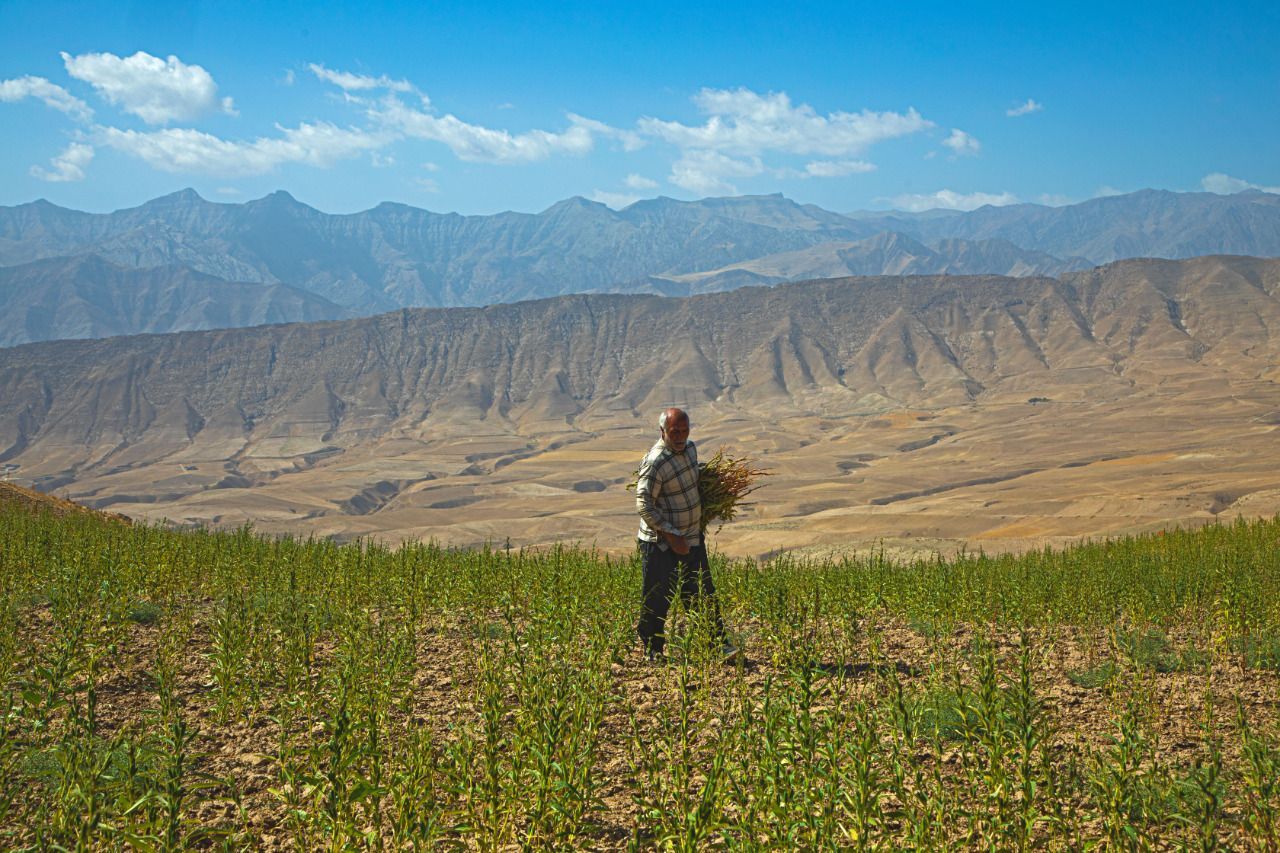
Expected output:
(671, 546)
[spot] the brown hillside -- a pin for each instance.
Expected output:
(13, 496)
(928, 411)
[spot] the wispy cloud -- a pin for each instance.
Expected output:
(629, 140)
(743, 127)
(183, 150)
(617, 201)
(949, 200)
(350, 82)
(1031, 106)
(707, 172)
(743, 122)
(743, 134)
(837, 168)
(52, 94)
(1217, 182)
(67, 166)
(639, 182)
(476, 143)
(154, 89)
(962, 144)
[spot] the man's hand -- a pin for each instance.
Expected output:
(678, 543)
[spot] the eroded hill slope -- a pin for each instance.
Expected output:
(420, 419)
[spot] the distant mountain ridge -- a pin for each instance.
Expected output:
(88, 297)
(1146, 223)
(395, 256)
(887, 253)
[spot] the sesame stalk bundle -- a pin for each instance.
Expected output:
(724, 482)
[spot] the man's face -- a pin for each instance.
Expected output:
(676, 434)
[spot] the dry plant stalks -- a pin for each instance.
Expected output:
(724, 482)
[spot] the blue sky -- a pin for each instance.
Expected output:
(483, 107)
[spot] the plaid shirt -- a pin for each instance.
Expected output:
(667, 495)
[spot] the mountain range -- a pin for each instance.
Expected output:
(327, 266)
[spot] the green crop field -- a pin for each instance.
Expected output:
(164, 689)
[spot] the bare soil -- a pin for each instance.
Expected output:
(242, 752)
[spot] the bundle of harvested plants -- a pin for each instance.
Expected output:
(725, 481)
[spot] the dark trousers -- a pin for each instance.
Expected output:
(661, 571)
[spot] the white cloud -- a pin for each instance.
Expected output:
(1221, 184)
(349, 82)
(705, 172)
(468, 141)
(743, 127)
(630, 140)
(51, 93)
(1055, 200)
(639, 182)
(1031, 106)
(617, 201)
(837, 168)
(1106, 191)
(949, 200)
(67, 166)
(184, 150)
(289, 78)
(156, 90)
(429, 185)
(746, 123)
(962, 143)
(482, 144)
(229, 191)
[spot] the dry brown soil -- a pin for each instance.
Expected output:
(1003, 475)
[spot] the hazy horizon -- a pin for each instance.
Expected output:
(429, 209)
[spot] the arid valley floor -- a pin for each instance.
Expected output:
(996, 476)
(910, 414)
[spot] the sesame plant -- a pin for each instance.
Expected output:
(165, 689)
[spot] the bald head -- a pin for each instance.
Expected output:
(670, 416)
(674, 425)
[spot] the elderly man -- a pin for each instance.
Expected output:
(671, 546)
